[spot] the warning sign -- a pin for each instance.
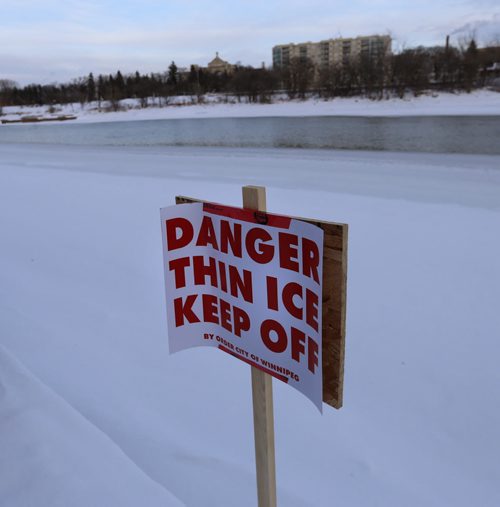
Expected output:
(250, 284)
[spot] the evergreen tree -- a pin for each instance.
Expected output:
(172, 74)
(470, 65)
(90, 88)
(120, 86)
(100, 89)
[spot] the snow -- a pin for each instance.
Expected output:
(50, 454)
(82, 307)
(481, 102)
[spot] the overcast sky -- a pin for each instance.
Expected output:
(57, 40)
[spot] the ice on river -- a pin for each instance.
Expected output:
(91, 401)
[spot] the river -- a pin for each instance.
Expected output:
(434, 134)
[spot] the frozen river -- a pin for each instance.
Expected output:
(432, 134)
(82, 308)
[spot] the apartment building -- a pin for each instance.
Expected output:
(332, 51)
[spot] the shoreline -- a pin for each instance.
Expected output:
(477, 103)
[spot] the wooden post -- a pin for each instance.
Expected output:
(262, 394)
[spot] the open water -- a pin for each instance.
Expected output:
(436, 134)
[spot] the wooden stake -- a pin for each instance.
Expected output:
(262, 394)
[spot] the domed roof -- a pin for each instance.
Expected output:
(217, 60)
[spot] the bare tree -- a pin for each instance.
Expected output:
(298, 77)
(6, 86)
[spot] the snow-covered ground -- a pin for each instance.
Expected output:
(100, 411)
(482, 102)
(52, 456)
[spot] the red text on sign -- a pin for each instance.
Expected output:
(214, 310)
(276, 339)
(294, 253)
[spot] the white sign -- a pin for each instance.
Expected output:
(248, 283)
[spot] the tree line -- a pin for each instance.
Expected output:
(411, 70)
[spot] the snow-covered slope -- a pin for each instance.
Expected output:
(50, 455)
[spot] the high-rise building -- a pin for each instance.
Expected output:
(332, 51)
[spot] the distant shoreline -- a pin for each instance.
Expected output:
(477, 103)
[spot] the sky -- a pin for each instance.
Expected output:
(58, 40)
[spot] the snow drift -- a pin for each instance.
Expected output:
(51, 455)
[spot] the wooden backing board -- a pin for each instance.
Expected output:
(334, 304)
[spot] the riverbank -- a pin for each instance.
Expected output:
(478, 103)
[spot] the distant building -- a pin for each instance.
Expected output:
(218, 65)
(332, 51)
